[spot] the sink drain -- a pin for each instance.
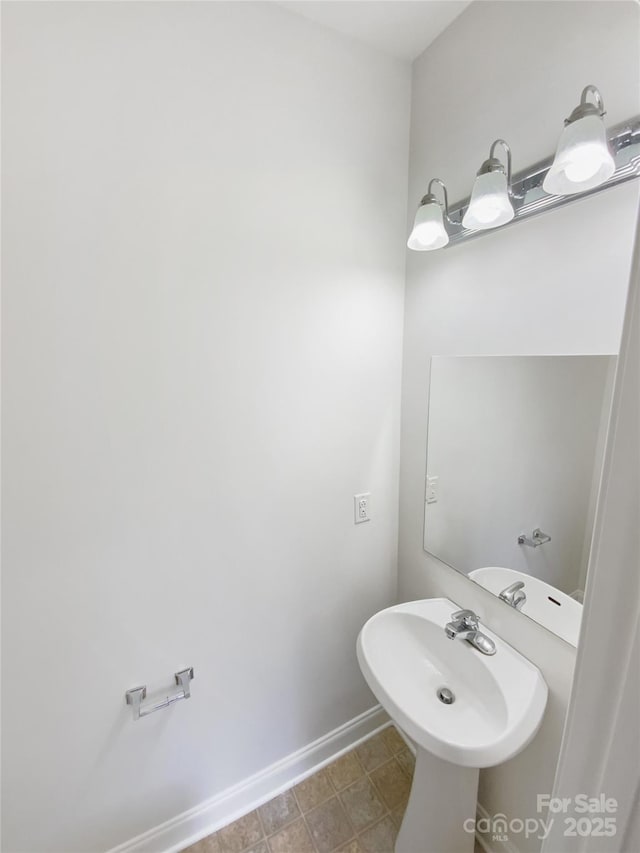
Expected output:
(445, 695)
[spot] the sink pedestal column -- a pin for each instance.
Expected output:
(443, 796)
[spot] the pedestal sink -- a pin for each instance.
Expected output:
(498, 704)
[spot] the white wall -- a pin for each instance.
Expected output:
(203, 285)
(554, 284)
(513, 442)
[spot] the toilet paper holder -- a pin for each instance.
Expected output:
(136, 695)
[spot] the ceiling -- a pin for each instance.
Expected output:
(402, 28)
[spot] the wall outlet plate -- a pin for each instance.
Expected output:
(361, 507)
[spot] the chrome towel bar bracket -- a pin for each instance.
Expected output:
(135, 696)
(537, 538)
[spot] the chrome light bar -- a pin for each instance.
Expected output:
(528, 197)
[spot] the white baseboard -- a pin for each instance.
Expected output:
(492, 845)
(196, 823)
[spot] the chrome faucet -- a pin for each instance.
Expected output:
(514, 595)
(464, 626)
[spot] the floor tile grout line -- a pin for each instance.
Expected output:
(382, 803)
(377, 788)
(304, 820)
(353, 829)
(390, 810)
(286, 826)
(379, 821)
(292, 820)
(333, 787)
(322, 802)
(337, 794)
(264, 833)
(353, 832)
(313, 841)
(308, 828)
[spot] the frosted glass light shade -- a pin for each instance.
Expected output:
(428, 229)
(583, 159)
(490, 204)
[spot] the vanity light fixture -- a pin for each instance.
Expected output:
(490, 204)
(429, 231)
(589, 159)
(583, 158)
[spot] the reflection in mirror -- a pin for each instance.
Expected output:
(514, 457)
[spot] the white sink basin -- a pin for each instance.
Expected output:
(406, 657)
(550, 607)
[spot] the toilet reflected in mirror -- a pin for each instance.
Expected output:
(514, 458)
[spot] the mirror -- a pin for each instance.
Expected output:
(514, 457)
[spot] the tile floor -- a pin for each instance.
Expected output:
(354, 805)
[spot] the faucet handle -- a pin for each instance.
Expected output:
(466, 617)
